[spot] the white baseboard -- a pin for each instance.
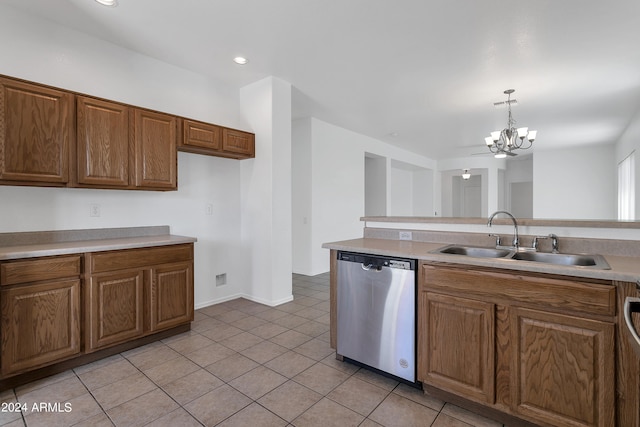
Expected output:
(249, 297)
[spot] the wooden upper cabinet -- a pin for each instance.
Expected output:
(200, 137)
(237, 143)
(35, 132)
(102, 143)
(155, 150)
(212, 140)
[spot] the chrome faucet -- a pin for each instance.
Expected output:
(516, 240)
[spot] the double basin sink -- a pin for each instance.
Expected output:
(574, 260)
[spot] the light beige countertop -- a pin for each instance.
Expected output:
(623, 268)
(40, 244)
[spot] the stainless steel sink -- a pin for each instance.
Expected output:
(472, 251)
(575, 260)
(578, 260)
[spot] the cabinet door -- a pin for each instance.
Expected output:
(456, 345)
(240, 144)
(114, 306)
(35, 131)
(155, 150)
(172, 295)
(562, 369)
(201, 135)
(40, 324)
(102, 143)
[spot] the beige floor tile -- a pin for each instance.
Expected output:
(222, 332)
(290, 339)
(290, 364)
(27, 388)
(358, 395)
(177, 418)
(206, 323)
(190, 343)
(121, 391)
(418, 396)
(264, 351)
(312, 329)
(271, 314)
(310, 313)
(170, 371)
(231, 367)
(217, 405)
(369, 423)
(249, 323)
(307, 301)
(143, 409)
(268, 330)
(291, 307)
(321, 378)
(79, 408)
(258, 382)
(60, 391)
(315, 349)
(346, 367)
(98, 420)
(444, 420)
(254, 309)
(289, 400)
(376, 379)
(231, 316)
(98, 364)
(241, 341)
(148, 359)
(328, 413)
(139, 350)
(210, 354)
(290, 321)
(253, 415)
(214, 310)
(398, 411)
(187, 388)
(468, 417)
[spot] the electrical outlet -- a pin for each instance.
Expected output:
(221, 279)
(406, 235)
(208, 210)
(94, 210)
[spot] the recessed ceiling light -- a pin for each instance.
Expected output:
(110, 3)
(240, 60)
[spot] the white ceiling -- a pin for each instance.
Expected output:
(428, 70)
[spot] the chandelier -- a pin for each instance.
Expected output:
(502, 142)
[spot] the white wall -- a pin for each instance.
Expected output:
(375, 183)
(629, 142)
(575, 183)
(42, 51)
(401, 192)
(266, 193)
(301, 193)
(337, 186)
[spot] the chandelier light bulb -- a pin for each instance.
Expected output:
(465, 174)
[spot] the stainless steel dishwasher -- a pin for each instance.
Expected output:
(376, 312)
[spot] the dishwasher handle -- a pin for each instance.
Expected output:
(632, 305)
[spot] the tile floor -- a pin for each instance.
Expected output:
(242, 364)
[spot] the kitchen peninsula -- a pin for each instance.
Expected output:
(526, 342)
(71, 297)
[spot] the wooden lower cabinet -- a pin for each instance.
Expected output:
(62, 310)
(115, 308)
(563, 368)
(171, 296)
(503, 340)
(459, 344)
(40, 324)
(137, 292)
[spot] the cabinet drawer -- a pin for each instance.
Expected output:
(138, 258)
(582, 297)
(37, 269)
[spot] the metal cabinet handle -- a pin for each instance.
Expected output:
(632, 305)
